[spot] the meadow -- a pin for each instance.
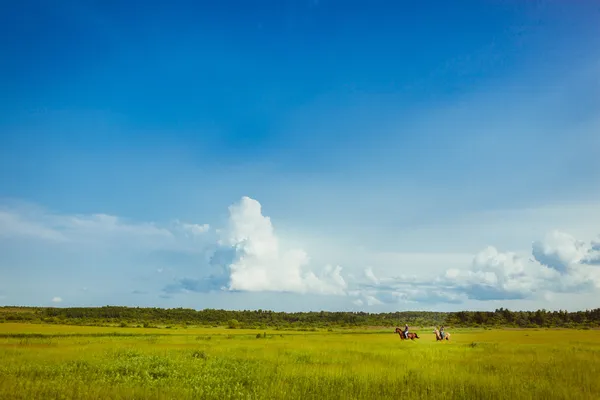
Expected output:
(41, 361)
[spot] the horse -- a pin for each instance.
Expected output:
(411, 336)
(438, 336)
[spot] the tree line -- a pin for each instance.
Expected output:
(148, 317)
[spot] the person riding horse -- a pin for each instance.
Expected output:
(405, 335)
(440, 334)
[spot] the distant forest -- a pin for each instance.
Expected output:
(259, 319)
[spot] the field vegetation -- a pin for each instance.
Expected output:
(52, 361)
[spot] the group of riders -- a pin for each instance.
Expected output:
(441, 331)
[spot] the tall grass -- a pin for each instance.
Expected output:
(217, 364)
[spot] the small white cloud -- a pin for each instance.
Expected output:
(97, 226)
(371, 276)
(372, 300)
(192, 230)
(56, 300)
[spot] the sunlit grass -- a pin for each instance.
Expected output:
(42, 361)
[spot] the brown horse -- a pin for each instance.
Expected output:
(411, 336)
(438, 336)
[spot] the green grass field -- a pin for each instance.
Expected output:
(73, 362)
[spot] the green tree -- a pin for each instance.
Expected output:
(233, 324)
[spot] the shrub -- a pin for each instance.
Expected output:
(233, 324)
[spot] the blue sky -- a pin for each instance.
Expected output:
(235, 154)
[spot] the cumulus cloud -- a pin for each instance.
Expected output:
(56, 300)
(496, 275)
(259, 263)
(560, 264)
(594, 256)
(573, 259)
(401, 289)
(247, 255)
(562, 251)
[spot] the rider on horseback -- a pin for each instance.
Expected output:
(442, 332)
(406, 331)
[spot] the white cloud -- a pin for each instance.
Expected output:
(97, 230)
(249, 256)
(372, 300)
(56, 300)
(254, 261)
(562, 251)
(497, 275)
(260, 264)
(43, 225)
(371, 276)
(573, 259)
(357, 302)
(561, 264)
(12, 224)
(108, 224)
(192, 229)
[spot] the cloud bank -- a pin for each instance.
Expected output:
(247, 255)
(560, 264)
(252, 259)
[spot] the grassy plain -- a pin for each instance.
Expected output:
(75, 362)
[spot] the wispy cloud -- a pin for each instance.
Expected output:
(192, 229)
(95, 229)
(13, 224)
